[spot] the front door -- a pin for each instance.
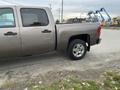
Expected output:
(9, 33)
(36, 31)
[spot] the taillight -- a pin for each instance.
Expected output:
(99, 31)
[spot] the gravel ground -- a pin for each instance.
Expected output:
(102, 57)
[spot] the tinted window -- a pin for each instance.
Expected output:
(6, 18)
(34, 17)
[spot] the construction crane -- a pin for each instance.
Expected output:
(94, 18)
(109, 18)
(98, 12)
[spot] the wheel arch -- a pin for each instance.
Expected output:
(84, 37)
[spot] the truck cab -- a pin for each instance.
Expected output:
(26, 30)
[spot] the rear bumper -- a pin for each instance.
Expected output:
(98, 41)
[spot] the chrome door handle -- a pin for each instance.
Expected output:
(10, 33)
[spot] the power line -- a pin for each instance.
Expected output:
(10, 2)
(7, 1)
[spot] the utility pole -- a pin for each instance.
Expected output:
(62, 11)
(50, 4)
(59, 14)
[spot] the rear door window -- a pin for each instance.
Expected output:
(32, 17)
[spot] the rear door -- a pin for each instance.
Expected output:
(36, 31)
(9, 33)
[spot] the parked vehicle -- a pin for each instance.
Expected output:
(29, 30)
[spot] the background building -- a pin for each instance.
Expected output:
(116, 21)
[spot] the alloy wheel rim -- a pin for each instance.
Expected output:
(78, 50)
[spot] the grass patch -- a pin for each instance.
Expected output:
(9, 84)
(69, 84)
(110, 81)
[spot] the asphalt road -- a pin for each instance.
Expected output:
(105, 55)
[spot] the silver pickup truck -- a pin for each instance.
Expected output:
(29, 30)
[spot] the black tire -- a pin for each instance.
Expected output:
(71, 47)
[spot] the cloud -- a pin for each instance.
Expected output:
(112, 6)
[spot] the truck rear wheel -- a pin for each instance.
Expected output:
(77, 49)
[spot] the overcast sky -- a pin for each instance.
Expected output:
(75, 7)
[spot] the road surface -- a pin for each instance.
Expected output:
(105, 55)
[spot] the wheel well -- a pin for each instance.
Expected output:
(84, 37)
